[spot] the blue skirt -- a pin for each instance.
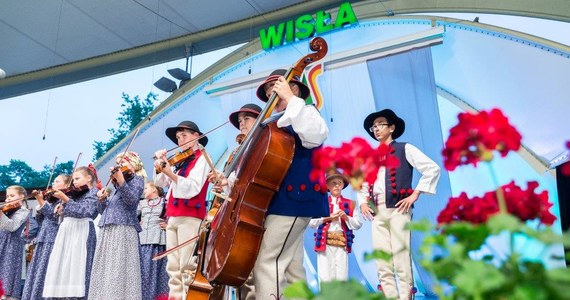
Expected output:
(154, 276)
(34, 286)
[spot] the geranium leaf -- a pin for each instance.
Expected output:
(504, 222)
(477, 278)
(378, 254)
(423, 225)
(299, 290)
(345, 290)
(529, 292)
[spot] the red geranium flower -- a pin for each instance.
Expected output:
(357, 160)
(476, 136)
(524, 204)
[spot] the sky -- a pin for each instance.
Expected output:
(72, 117)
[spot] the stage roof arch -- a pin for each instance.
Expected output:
(54, 43)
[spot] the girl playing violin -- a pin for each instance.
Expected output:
(186, 196)
(48, 220)
(69, 268)
(116, 267)
(153, 241)
(12, 222)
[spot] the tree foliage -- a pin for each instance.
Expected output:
(18, 172)
(134, 111)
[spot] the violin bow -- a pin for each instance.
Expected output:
(122, 157)
(51, 173)
(175, 248)
(211, 164)
(198, 138)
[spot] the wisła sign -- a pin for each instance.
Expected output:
(306, 26)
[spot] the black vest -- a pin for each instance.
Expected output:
(398, 180)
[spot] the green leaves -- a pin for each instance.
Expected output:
(341, 290)
(477, 278)
(134, 111)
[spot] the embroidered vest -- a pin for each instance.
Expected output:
(398, 180)
(298, 196)
(193, 207)
(321, 235)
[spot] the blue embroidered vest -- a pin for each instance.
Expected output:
(298, 195)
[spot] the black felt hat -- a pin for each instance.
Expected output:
(273, 76)
(248, 108)
(171, 132)
(391, 117)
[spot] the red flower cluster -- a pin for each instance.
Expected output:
(565, 168)
(1, 289)
(357, 160)
(525, 204)
(476, 136)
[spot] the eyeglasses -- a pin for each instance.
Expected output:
(378, 126)
(336, 183)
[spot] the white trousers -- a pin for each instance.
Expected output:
(332, 264)
(279, 247)
(295, 272)
(179, 230)
(389, 235)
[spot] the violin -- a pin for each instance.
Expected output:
(12, 206)
(177, 158)
(128, 174)
(70, 191)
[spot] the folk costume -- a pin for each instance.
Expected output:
(69, 268)
(186, 208)
(116, 266)
(153, 242)
(11, 248)
(298, 199)
(391, 186)
(45, 239)
(334, 239)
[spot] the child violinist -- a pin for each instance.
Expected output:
(334, 236)
(12, 221)
(153, 242)
(48, 220)
(69, 268)
(116, 266)
(186, 200)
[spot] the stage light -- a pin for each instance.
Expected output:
(179, 74)
(166, 85)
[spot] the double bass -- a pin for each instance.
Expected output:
(261, 164)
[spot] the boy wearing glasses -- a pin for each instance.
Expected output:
(334, 236)
(393, 196)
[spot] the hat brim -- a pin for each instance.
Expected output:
(391, 117)
(304, 90)
(234, 116)
(171, 134)
(340, 176)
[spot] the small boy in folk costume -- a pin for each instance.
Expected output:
(393, 196)
(334, 236)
